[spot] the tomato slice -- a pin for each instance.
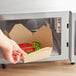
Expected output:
(25, 45)
(29, 48)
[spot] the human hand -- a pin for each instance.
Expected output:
(11, 51)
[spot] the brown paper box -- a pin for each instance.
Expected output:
(21, 34)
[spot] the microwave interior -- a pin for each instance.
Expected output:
(34, 24)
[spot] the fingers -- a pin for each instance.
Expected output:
(18, 53)
(7, 54)
(16, 56)
(22, 53)
(8, 57)
(12, 57)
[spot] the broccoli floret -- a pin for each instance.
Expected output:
(36, 45)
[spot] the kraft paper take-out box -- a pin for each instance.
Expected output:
(21, 34)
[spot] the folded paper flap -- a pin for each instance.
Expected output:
(43, 49)
(44, 36)
(21, 34)
(38, 55)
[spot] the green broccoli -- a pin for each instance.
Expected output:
(36, 45)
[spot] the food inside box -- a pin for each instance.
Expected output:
(37, 45)
(30, 47)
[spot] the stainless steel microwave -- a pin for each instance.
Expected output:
(63, 30)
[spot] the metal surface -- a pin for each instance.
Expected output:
(73, 39)
(37, 15)
(64, 54)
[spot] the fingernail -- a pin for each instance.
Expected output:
(17, 51)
